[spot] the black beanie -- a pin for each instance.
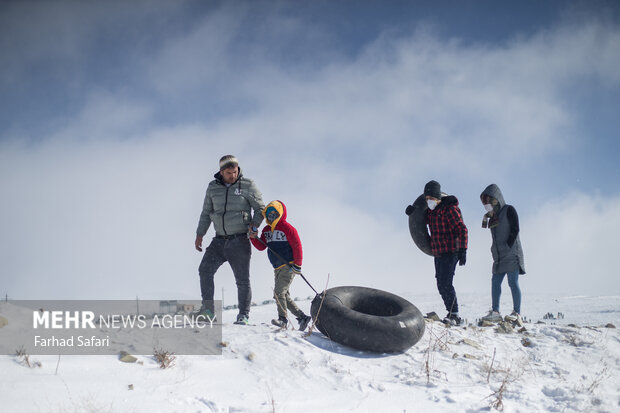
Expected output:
(432, 188)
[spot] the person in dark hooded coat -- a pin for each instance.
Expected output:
(503, 221)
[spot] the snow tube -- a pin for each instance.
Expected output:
(417, 225)
(367, 319)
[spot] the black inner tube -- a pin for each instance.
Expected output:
(368, 319)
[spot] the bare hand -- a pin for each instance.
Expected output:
(198, 243)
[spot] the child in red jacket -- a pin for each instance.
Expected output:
(285, 255)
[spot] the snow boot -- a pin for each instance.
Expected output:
(242, 319)
(514, 318)
(303, 321)
(205, 314)
(453, 319)
(280, 322)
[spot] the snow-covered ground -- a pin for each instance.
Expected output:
(562, 368)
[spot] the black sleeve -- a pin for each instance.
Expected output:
(513, 221)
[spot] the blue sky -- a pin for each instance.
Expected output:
(113, 116)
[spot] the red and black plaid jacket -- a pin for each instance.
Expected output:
(448, 231)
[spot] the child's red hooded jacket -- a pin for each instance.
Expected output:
(281, 237)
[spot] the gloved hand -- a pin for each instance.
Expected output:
(296, 269)
(409, 209)
(252, 232)
(462, 257)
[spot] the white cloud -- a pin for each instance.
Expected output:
(197, 60)
(40, 36)
(112, 197)
(106, 116)
(570, 245)
(117, 219)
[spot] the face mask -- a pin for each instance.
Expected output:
(271, 214)
(431, 204)
(488, 207)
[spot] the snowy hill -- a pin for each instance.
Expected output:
(569, 364)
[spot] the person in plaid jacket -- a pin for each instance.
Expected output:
(448, 244)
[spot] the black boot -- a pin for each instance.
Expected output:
(453, 319)
(280, 322)
(303, 321)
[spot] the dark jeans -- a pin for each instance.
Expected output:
(445, 265)
(237, 252)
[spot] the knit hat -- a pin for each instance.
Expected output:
(228, 161)
(432, 188)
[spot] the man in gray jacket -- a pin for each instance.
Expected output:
(228, 204)
(503, 221)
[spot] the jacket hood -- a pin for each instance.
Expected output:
(280, 207)
(218, 176)
(494, 192)
(449, 200)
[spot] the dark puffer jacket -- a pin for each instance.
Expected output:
(506, 247)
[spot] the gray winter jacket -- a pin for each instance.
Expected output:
(507, 257)
(230, 208)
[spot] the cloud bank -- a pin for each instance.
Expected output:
(103, 202)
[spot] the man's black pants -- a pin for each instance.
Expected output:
(237, 251)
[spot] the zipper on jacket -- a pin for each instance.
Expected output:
(226, 202)
(224, 214)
